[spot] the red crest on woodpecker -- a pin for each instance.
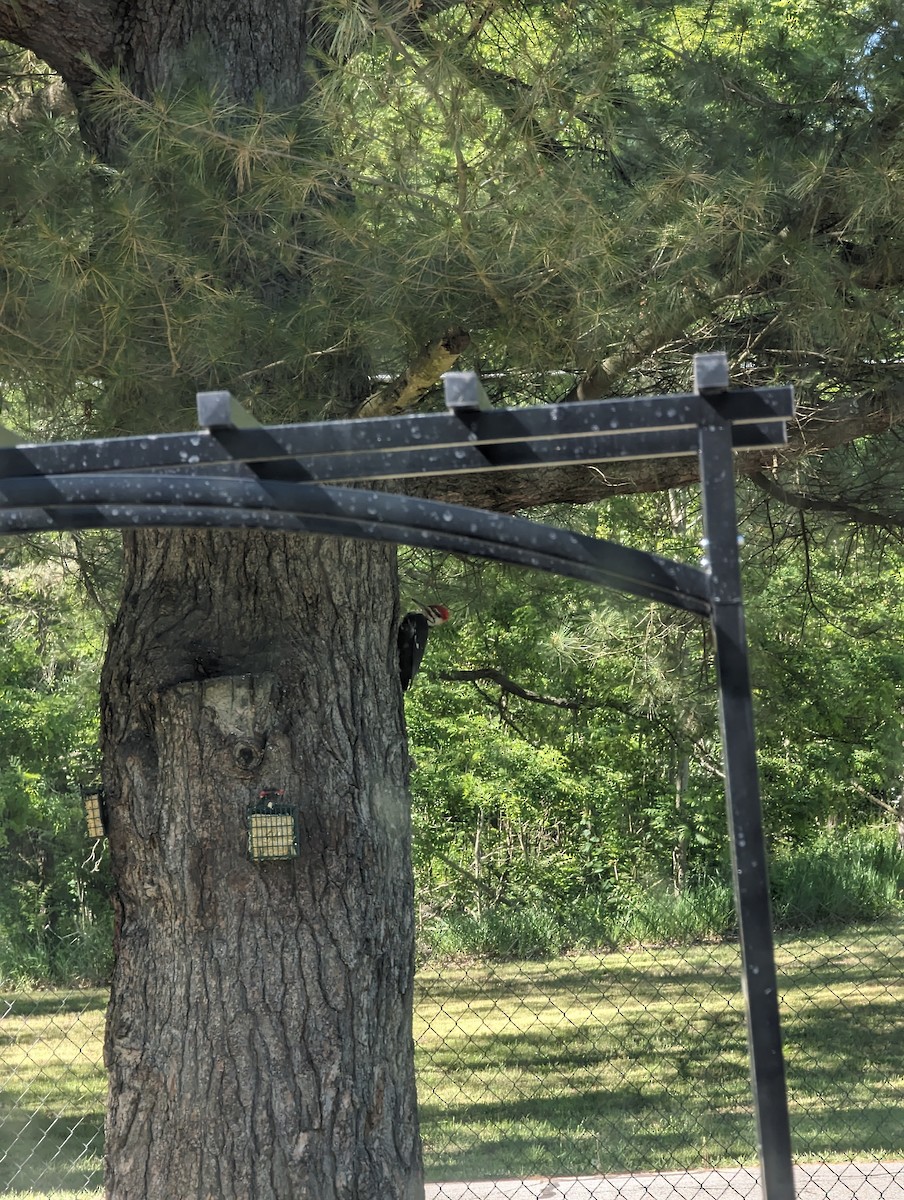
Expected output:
(436, 614)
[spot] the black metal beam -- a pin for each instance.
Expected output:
(502, 456)
(745, 817)
(613, 428)
(144, 499)
(602, 417)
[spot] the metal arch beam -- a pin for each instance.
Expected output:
(108, 501)
(427, 443)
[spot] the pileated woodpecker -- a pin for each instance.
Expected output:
(413, 633)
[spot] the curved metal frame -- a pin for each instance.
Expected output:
(235, 473)
(119, 501)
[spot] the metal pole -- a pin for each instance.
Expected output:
(745, 820)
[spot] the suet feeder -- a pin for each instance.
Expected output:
(272, 827)
(95, 813)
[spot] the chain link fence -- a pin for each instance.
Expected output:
(621, 1073)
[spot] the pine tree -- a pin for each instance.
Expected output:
(291, 201)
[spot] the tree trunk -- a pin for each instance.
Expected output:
(679, 846)
(259, 1035)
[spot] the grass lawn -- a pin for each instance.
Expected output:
(637, 1061)
(52, 1092)
(627, 1061)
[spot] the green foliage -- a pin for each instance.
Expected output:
(597, 819)
(574, 185)
(659, 916)
(546, 826)
(578, 187)
(54, 909)
(837, 880)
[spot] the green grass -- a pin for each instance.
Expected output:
(52, 1090)
(637, 1060)
(632, 1060)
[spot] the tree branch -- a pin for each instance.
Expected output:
(679, 323)
(418, 378)
(492, 675)
(69, 35)
(515, 98)
(896, 811)
(509, 687)
(463, 873)
(816, 429)
(798, 500)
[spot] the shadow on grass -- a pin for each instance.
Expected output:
(637, 987)
(42, 1153)
(679, 1094)
(629, 1131)
(52, 1004)
(485, 981)
(708, 1046)
(863, 954)
(597, 1132)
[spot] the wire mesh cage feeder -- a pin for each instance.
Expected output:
(95, 813)
(272, 827)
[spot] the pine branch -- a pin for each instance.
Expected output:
(498, 704)
(513, 97)
(678, 324)
(840, 508)
(509, 686)
(418, 378)
(835, 424)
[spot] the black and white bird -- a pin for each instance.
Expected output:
(413, 633)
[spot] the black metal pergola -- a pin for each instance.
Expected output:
(235, 473)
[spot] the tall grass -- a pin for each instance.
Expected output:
(835, 879)
(839, 878)
(81, 955)
(659, 915)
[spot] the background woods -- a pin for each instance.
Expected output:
(566, 781)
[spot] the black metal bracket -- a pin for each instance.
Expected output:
(236, 473)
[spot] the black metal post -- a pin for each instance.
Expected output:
(745, 819)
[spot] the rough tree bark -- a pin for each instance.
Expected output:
(259, 1035)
